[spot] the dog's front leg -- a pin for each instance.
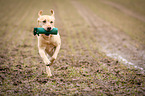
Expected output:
(54, 56)
(44, 56)
(46, 60)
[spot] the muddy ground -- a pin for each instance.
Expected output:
(82, 66)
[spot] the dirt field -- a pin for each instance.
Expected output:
(84, 66)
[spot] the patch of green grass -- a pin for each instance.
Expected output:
(72, 72)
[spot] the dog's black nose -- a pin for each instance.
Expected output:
(49, 28)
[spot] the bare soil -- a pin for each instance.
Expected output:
(81, 67)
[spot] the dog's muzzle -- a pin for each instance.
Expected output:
(48, 28)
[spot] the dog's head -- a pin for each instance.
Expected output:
(46, 21)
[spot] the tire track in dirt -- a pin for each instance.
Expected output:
(114, 43)
(125, 10)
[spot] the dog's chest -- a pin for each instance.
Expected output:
(50, 40)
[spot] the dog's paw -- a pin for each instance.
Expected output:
(47, 63)
(49, 75)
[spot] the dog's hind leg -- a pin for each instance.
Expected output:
(46, 60)
(49, 52)
(48, 71)
(44, 56)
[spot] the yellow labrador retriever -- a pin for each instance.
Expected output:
(48, 46)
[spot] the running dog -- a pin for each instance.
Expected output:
(48, 45)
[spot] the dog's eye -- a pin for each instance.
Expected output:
(51, 21)
(44, 21)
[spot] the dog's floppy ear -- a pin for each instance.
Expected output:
(40, 13)
(52, 12)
